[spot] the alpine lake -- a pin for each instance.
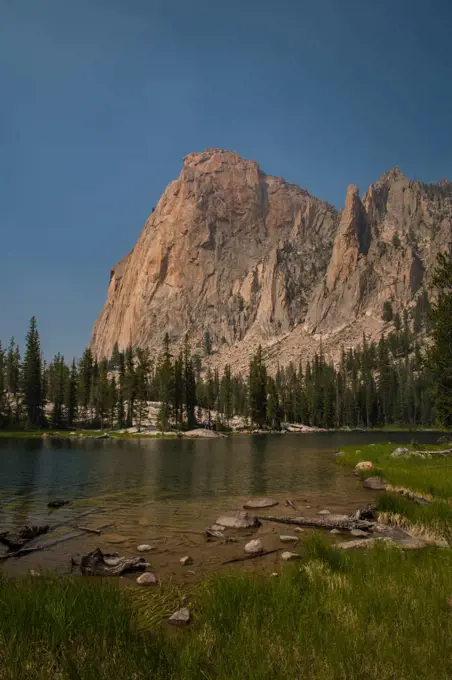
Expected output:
(166, 492)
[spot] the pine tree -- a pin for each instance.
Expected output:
(71, 395)
(257, 389)
(58, 374)
(32, 377)
(189, 385)
(129, 385)
(441, 351)
(142, 384)
(85, 382)
(207, 344)
(226, 394)
(165, 373)
(120, 413)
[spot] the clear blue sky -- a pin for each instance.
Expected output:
(101, 99)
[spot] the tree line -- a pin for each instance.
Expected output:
(390, 382)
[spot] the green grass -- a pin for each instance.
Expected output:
(429, 477)
(377, 615)
(432, 476)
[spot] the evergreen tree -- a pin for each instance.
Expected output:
(32, 377)
(226, 394)
(142, 384)
(189, 386)
(207, 344)
(85, 383)
(71, 395)
(165, 373)
(58, 373)
(257, 389)
(441, 350)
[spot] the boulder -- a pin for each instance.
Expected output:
(180, 618)
(144, 548)
(237, 520)
(374, 483)
(359, 533)
(288, 556)
(288, 539)
(254, 547)
(258, 503)
(399, 452)
(201, 433)
(147, 579)
(364, 465)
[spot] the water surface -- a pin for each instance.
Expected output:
(166, 492)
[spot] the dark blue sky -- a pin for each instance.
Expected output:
(101, 99)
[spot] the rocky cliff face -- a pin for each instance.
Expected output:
(228, 249)
(253, 259)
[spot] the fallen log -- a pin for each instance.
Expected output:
(22, 551)
(25, 535)
(324, 522)
(97, 563)
(251, 557)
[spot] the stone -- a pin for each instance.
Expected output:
(363, 543)
(144, 547)
(254, 547)
(202, 433)
(374, 483)
(274, 574)
(33, 572)
(324, 512)
(288, 539)
(364, 465)
(180, 618)
(185, 561)
(258, 503)
(237, 520)
(308, 507)
(299, 529)
(114, 539)
(359, 533)
(399, 452)
(335, 531)
(288, 556)
(217, 527)
(147, 579)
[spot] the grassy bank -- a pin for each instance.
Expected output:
(430, 477)
(334, 616)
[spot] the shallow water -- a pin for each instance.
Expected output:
(166, 492)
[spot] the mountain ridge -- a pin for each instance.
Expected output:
(253, 259)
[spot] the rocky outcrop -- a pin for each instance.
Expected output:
(252, 259)
(228, 249)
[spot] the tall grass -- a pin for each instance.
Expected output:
(379, 615)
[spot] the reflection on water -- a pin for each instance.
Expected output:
(172, 483)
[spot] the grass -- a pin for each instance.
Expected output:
(379, 615)
(429, 477)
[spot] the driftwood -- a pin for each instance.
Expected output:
(290, 504)
(57, 504)
(90, 531)
(245, 558)
(324, 522)
(22, 551)
(25, 535)
(97, 563)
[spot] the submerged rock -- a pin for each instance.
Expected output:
(180, 618)
(144, 548)
(254, 547)
(147, 579)
(260, 503)
(186, 560)
(358, 533)
(287, 556)
(374, 483)
(238, 520)
(335, 531)
(289, 539)
(363, 543)
(324, 512)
